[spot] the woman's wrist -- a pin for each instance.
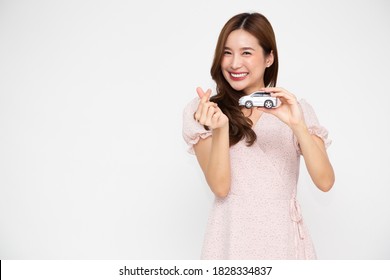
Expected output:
(221, 134)
(300, 130)
(222, 129)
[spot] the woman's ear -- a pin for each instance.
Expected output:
(270, 59)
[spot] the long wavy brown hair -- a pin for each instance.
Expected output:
(240, 127)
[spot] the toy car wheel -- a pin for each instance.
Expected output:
(248, 104)
(268, 104)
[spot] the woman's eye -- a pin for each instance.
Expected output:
(227, 53)
(246, 53)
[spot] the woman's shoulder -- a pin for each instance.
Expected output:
(312, 122)
(308, 110)
(191, 105)
(303, 102)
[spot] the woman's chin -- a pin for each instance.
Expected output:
(237, 87)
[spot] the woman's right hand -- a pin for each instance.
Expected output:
(208, 113)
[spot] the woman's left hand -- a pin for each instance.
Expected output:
(288, 111)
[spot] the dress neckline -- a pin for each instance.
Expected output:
(259, 119)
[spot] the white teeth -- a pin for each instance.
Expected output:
(239, 75)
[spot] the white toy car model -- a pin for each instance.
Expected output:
(258, 98)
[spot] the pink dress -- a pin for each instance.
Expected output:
(260, 218)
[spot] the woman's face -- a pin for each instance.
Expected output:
(243, 63)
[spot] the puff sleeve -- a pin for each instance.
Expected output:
(312, 124)
(192, 130)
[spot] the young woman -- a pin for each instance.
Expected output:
(250, 157)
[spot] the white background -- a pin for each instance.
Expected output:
(92, 161)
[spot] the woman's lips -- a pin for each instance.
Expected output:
(238, 76)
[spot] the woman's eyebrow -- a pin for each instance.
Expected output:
(241, 49)
(247, 48)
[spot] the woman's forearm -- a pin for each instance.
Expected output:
(218, 166)
(316, 158)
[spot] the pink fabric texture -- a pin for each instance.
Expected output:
(260, 218)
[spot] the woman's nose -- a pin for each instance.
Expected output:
(236, 62)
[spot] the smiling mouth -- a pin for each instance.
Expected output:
(238, 75)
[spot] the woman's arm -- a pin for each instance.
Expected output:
(316, 158)
(312, 147)
(213, 152)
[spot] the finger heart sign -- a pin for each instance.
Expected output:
(208, 113)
